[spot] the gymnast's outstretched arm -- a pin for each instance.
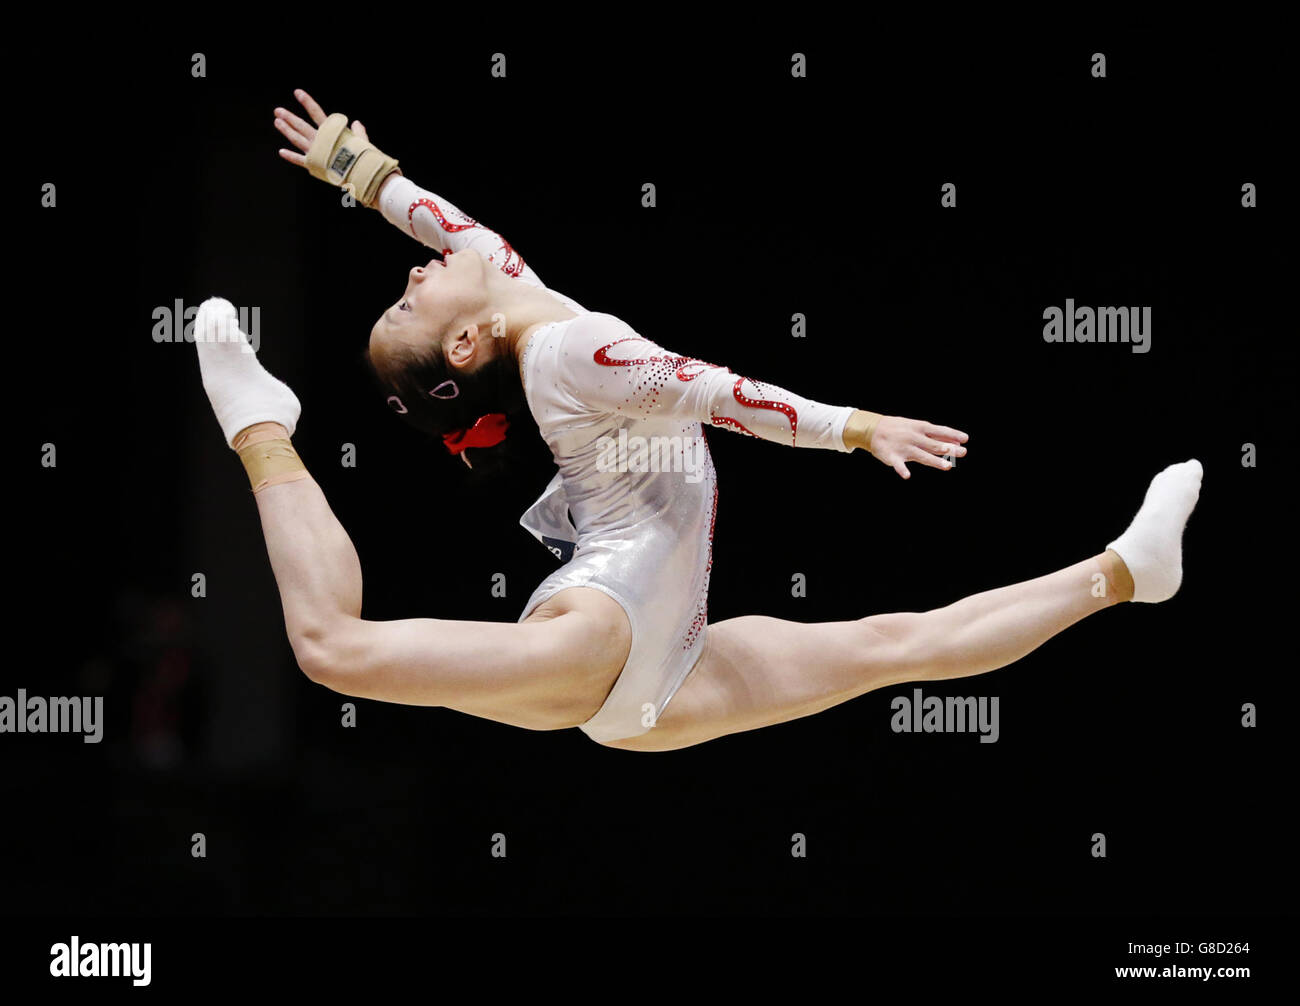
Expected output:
(429, 218)
(611, 368)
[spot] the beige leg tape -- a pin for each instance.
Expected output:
(338, 156)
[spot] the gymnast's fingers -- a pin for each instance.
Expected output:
(359, 129)
(942, 447)
(314, 111)
(293, 157)
(300, 134)
(925, 458)
(944, 433)
(901, 468)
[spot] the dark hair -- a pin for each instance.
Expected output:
(408, 374)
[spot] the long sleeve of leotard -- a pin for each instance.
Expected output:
(434, 221)
(606, 367)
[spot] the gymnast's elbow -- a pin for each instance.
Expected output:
(341, 654)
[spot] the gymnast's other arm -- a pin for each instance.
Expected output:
(613, 369)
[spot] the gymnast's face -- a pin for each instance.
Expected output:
(441, 301)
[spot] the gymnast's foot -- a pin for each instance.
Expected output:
(241, 390)
(1152, 547)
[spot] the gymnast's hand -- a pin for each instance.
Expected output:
(896, 441)
(300, 133)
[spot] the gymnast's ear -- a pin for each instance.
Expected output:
(462, 349)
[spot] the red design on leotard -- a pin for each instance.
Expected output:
(508, 267)
(701, 618)
(513, 263)
(687, 368)
(784, 408)
(716, 420)
(681, 363)
(684, 368)
(443, 222)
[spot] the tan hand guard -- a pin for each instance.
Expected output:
(342, 158)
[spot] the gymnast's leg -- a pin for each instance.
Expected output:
(756, 671)
(550, 671)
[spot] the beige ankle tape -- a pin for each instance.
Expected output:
(1119, 577)
(270, 460)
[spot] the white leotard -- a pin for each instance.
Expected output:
(630, 517)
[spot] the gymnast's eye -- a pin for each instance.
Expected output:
(402, 306)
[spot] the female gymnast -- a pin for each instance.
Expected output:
(615, 641)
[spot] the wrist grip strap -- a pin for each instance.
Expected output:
(338, 156)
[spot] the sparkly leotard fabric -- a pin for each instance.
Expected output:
(631, 509)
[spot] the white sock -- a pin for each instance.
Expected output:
(1152, 547)
(241, 390)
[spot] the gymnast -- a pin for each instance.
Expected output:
(616, 641)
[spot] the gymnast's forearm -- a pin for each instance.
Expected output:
(722, 398)
(434, 221)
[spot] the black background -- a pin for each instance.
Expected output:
(775, 196)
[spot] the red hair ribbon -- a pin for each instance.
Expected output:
(488, 431)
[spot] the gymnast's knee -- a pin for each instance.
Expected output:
(896, 643)
(920, 646)
(318, 647)
(314, 658)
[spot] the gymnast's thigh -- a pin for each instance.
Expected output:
(595, 646)
(756, 671)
